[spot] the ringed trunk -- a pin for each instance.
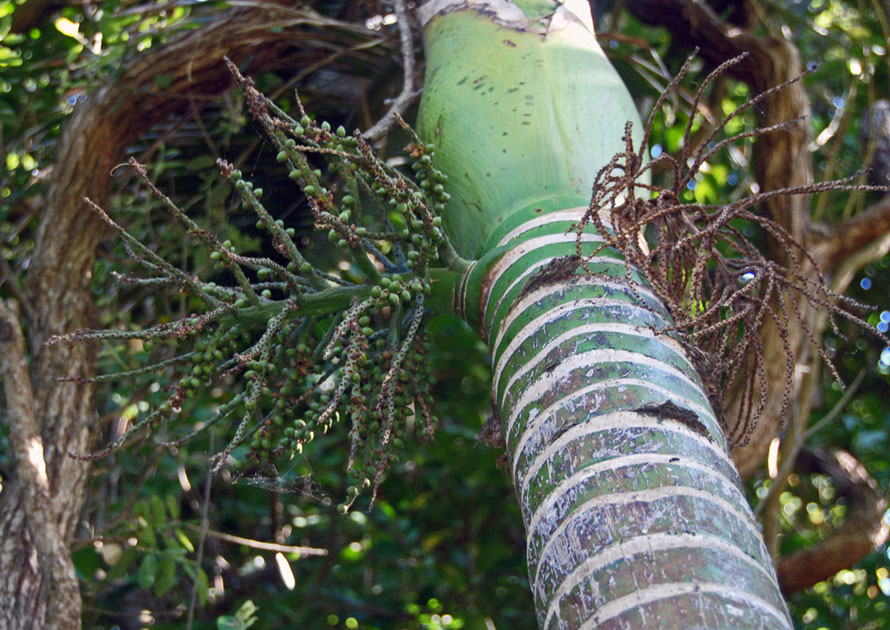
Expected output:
(634, 512)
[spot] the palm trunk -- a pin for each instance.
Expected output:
(634, 511)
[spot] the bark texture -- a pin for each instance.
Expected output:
(848, 238)
(634, 513)
(94, 141)
(38, 519)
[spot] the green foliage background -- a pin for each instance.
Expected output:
(443, 547)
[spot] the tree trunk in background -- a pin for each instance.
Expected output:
(94, 141)
(634, 512)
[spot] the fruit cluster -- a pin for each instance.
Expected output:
(308, 345)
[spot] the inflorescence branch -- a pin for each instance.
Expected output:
(300, 347)
(718, 286)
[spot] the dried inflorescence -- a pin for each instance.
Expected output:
(718, 286)
(305, 346)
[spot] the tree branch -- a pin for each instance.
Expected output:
(408, 94)
(849, 237)
(259, 544)
(863, 530)
(32, 13)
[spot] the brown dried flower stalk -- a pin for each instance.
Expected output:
(718, 286)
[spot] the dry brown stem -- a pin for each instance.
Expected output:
(781, 159)
(408, 94)
(721, 290)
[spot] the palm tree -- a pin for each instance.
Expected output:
(632, 505)
(633, 509)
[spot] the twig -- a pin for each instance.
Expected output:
(408, 93)
(258, 544)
